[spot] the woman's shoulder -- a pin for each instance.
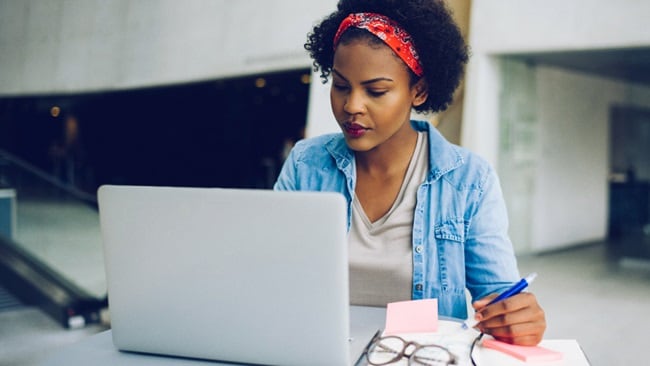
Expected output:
(318, 146)
(474, 173)
(319, 140)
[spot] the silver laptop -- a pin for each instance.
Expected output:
(237, 275)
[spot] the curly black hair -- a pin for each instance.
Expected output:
(440, 45)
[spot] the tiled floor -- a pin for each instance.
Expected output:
(602, 304)
(28, 336)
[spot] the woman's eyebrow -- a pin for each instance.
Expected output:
(376, 80)
(339, 74)
(365, 82)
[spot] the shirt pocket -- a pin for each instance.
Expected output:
(453, 230)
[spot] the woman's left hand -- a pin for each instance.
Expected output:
(517, 320)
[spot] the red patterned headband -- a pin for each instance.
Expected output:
(388, 31)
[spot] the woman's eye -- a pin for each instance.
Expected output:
(376, 93)
(340, 87)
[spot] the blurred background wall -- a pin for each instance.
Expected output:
(76, 45)
(542, 86)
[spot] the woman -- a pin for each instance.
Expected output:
(426, 218)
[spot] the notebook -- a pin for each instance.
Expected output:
(237, 275)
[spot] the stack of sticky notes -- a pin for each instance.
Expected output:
(415, 316)
(524, 353)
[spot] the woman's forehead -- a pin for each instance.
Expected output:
(361, 57)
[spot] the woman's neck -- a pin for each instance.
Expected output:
(391, 157)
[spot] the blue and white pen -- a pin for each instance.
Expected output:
(512, 291)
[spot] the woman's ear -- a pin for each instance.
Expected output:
(421, 92)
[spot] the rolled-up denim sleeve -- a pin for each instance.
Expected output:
(490, 262)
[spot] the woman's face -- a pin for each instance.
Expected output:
(371, 97)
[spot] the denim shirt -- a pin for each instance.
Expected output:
(460, 223)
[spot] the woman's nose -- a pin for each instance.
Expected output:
(354, 103)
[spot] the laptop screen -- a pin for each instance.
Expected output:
(253, 276)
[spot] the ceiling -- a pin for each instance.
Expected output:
(629, 64)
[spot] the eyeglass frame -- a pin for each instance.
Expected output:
(471, 349)
(453, 359)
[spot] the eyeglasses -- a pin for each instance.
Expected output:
(389, 349)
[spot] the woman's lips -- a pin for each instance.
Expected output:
(354, 129)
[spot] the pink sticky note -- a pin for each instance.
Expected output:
(415, 316)
(524, 353)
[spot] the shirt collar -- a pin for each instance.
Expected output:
(443, 155)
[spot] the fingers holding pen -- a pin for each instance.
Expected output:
(482, 303)
(508, 306)
(518, 319)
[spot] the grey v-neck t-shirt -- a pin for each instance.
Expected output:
(380, 252)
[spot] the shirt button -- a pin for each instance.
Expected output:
(418, 249)
(418, 287)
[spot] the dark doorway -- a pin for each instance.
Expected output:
(629, 213)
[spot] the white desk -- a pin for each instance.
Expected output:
(99, 349)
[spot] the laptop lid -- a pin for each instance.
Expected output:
(251, 276)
